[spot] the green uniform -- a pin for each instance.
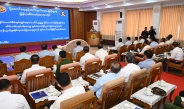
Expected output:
(176, 104)
(63, 62)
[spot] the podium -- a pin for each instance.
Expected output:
(93, 38)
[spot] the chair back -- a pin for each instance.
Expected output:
(39, 79)
(47, 61)
(153, 71)
(138, 45)
(79, 55)
(73, 69)
(137, 81)
(130, 47)
(69, 55)
(16, 85)
(108, 60)
(86, 100)
(92, 66)
(20, 66)
(111, 92)
(3, 69)
(158, 50)
(120, 51)
(142, 45)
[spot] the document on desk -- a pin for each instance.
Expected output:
(38, 95)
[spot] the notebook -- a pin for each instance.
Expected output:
(38, 95)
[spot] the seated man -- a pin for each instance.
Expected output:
(171, 39)
(130, 67)
(86, 56)
(22, 55)
(168, 40)
(178, 104)
(177, 54)
(77, 49)
(63, 61)
(147, 47)
(148, 61)
(114, 69)
(11, 101)
(101, 53)
(117, 47)
(56, 51)
(141, 39)
(153, 43)
(162, 41)
(128, 42)
(45, 52)
(68, 91)
(136, 41)
(1, 61)
(35, 66)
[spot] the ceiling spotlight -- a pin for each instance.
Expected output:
(78, 7)
(58, 6)
(106, 4)
(92, 6)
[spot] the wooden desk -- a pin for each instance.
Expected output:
(93, 38)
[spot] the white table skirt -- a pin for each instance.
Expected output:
(122, 105)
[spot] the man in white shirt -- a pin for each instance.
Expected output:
(101, 53)
(136, 41)
(85, 57)
(56, 51)
(168, 40)
(77, 49)
(64, 82)
(45, 52)
(22, 55)
(171, 39)
(141, 39)
(162, 41)
(177, 54)
(147, 47)
(8, 100)
(130, 67)
(128, 42)
(35, 66)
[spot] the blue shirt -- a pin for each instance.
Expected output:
(153, 44)
(102, 80)
(77, 49)
(45, 53)
(146, 63)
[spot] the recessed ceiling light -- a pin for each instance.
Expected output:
(106, 4)
(58, 6)
(78, 7)
(92, 6)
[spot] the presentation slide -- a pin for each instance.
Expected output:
(21, 24)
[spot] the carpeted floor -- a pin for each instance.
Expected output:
(170, 78)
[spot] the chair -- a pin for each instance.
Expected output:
(73, 69)
(92, 66)
(83, 101)
(20, 66)
(138, 46)
(142, 45)
(47, 61)
(137, 81)
(69, 55)
(108, 60)
(16, 85)
(173, 64)
(78, 56)
(110, 93)
(153, 71)
(3, 69)
(158, 50)
(130, 47)
(120, 51)
(36, 80)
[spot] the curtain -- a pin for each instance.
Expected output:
(181, 34)
(170, 20)
(109, 25)
(136, 20)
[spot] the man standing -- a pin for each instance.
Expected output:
(145, 32)
(77, 49)
(22, 55)
(35, 66)
(45, 52)
(152, 32)
(85, 57)
(130, 67)
(114, 69)
(148, 61)
(8, 100)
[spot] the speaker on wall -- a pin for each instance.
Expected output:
(121, 15)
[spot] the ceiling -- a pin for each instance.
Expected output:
(87, 5)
